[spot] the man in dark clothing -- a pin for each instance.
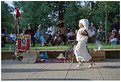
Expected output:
(116, 26)
(30, 32)
(62, 31)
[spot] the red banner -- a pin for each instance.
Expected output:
(24, 42)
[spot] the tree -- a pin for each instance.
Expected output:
(99, 9)
(59, 8)
(105, 13)
(34, 12)
(48, 13)
(72, 15)
(7, 19)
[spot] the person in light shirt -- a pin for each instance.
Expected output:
(80, 49)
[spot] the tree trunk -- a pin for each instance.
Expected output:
(106, 16)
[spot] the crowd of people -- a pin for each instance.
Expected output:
(58, 35)
(54, 35)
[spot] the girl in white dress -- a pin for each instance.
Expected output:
(80, 49)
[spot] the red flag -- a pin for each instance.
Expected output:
(17, 13)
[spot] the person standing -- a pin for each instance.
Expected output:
(30, 32)
(80, 49)
(101, 34)
(116, 26)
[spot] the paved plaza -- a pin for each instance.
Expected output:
(16, 70)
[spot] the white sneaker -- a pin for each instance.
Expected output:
(78, 65)
(90, 66)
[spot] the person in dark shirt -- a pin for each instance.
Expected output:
(4, 36)
(116, 26)
(61, 31)
(30, 32)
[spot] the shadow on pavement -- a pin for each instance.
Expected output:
(7, 70)
(111, 67)
(45, 79)
(109, 60)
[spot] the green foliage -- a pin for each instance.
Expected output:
(49, 12)
(34, 12)
(99, 10)
(7, 19)
(71, 16)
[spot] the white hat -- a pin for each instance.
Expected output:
(61, 56)
(85, 22)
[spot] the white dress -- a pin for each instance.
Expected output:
(80, 49)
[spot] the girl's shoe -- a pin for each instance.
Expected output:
(90, 66)
(80, 64)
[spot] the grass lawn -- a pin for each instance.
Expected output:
(11, 47)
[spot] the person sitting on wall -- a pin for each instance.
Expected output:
(113, 38)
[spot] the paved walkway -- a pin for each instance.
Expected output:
(15, 70)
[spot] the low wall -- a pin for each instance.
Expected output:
(7, 55)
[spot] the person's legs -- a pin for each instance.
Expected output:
(80, 63)
(33, 40)
(43, 41)
(91, 63)
(63, 37)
